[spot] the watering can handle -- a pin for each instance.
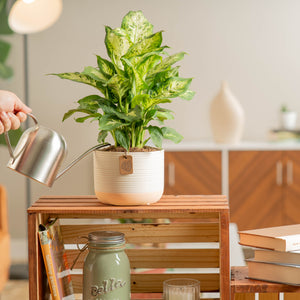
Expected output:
(10, 149)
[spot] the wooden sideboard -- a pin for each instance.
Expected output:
(261, 181)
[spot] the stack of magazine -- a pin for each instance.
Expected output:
(276, 253)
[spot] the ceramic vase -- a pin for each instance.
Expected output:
(144, 186)
(227, 117)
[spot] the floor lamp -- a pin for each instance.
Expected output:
(27, 17)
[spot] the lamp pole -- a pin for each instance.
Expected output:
(26, 100)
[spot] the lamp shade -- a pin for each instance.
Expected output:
(30, 16)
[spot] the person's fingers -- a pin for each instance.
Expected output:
(21, 116)
(1, 127)
(20, 106)
(5, 121)
(15, 122)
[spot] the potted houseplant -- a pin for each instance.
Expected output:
(288, 118)
(134, 83)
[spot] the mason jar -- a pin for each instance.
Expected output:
(106, 271)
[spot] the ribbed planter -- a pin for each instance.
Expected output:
(144, 186)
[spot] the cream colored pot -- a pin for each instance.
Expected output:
(144, 186)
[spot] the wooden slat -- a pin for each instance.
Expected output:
(162, 258)
(169, 205)
(149, 233)
(153, 283)
(224, 255)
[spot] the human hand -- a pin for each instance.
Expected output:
(12, 111)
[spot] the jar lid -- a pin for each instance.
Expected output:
(106, 237)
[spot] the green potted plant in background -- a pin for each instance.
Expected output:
(6, 72)
(288, 118)
(133, 85)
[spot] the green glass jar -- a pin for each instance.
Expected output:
(106, 271)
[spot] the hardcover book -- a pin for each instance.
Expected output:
(291, 257)
(56, 264)
(280, 273)
(281, 238)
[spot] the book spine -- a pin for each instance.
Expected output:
(50, 270)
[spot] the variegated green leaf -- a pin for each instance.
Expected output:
(69, 113)
(90, 102)
(117, 44)
(118, 85)
(164, 115)
(132, 116)
(147, 64)
(146, 102)
(106, 67)
(148, 44)
(157, 79)
(167, 62)
(109, 123)
(94, 116)
(102, 136)
(137, 26)
(174, 87)
(171, 134)
(78, 77)
(138, 84)
(156, 135)
(188, 95)
(95, 74)
(122, 139)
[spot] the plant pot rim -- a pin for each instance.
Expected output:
(147, 149)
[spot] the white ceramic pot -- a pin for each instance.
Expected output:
(288, 120)
(144, 186)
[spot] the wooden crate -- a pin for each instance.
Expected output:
(159, 248)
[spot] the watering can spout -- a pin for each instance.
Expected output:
(76, 160)
(40, 152)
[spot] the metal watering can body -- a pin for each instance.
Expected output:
(40, 153)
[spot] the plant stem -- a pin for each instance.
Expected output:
(133, 141)
(114, 137)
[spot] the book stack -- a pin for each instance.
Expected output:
(282, 135)
(276, 253)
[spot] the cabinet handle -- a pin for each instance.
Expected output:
(171, 169)
(289, 173)
(279, 173)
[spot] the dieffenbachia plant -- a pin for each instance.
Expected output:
(139, 77)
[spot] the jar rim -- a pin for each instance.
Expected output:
(106, 237)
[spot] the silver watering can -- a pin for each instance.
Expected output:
(40, 153)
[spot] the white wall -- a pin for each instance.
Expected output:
(254, 44)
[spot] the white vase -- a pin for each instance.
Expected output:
(144, 186)
(227, 117)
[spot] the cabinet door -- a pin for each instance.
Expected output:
(193, 173)
(256, 188)
(291, 208)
